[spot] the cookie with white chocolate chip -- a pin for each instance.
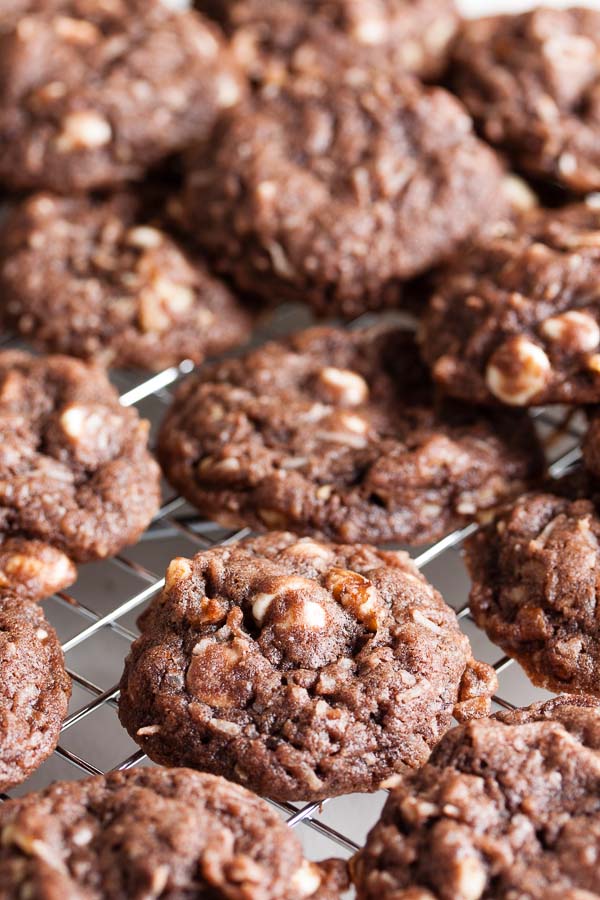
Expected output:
(534, 573)
(336, 192)
(300, 669)
(339, 434)
(75, 470)
(516, 321)
(506, 807)
(269, 39)
(148, 833)
(531, 82)
(34, 690)
(93, 93)
(97, 279)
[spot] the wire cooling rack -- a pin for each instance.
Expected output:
(95, 621)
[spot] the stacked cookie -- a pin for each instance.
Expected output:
(172, 174)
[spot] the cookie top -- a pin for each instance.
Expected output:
(94, 93)
(506, 807)
(300, 669)
(96, 279)
(534, 575)
(338, 434)
(34, 690)
(75, 471)
(531, 81)
(272, 39)
(149, 832)
(516, 320)
(334, 192)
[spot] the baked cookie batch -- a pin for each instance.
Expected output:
(172, 172)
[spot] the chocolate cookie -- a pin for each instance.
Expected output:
(300, 669)
(532, 82)
(272, 39)
(339, 434)
(507, 807)
(95, 279)
(75, 471)
(534, 573)
(149, 833)
(517, 319)
(334, 193)
(34, 691)
(94, 93)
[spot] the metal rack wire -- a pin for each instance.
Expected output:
(95, 621)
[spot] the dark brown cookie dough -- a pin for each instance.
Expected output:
(532, 82)
(506, 808)
(517, 319)
(148, 833)
(313, 36)
(335, 192)
(34, 691)
(300, 669)
(339, 434)
(534, 588)
(95, 279)
(94, 93)
(75, 471)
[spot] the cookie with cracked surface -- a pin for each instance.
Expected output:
(94, 93)
(320, 36)
(532, 82)
(148, 833)
(517, 320)
(534, 575)
(96, 280)
(339, 434)
(75, 470)
(506, 807)
(300, 669)
(34, 690)
(335, 192)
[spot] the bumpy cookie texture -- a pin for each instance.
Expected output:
(516, 321)
(334, 192)
(532, 82)
(149, 833)
(93, 93)
(534, 588)
(33, 569)
(320, 36)
(34, 690)
(507, 807)
(339, 434)
(75, 471)
(300, 669)
(95, 279)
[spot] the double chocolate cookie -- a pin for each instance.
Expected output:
(535, 574)
(272, 39)
(333, 192)
(94, 93)
(300, 669)
(75, 471)
(532, 82)
(34, 692)
(149, 833)
(517, 320)
(506, 807)
(98, 279)
(339, 434)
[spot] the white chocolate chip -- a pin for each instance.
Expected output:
(148, 729)
(76, 31)
(160, 878)
(371, 31)
(228, 91)
(313, 615)
(82, 836)
(344, 386)
(85, 130)
(282, 585)
(306, 880)
(517, 371)
(471, 880)
(161, 302)
(41, 634)
(261, 606)
(575, 329)
(144, 237)
(421, 619)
